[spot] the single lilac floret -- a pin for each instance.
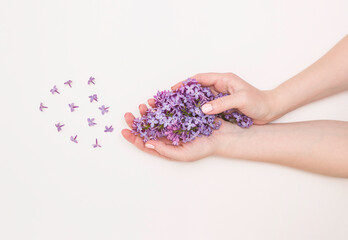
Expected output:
(91, 122)
(54, 90)
(72, 107)
(42, 107)
(108, 129)
(91, 80)
(74, 139)
(68, 83)
(104, 109)
(93, 97)
(96, 144)
(59, 126)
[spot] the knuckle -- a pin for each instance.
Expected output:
(198, 75)
(242, 96)
(219, 102)
(229, 75)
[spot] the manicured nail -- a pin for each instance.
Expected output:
(148, 145)
(207, 108)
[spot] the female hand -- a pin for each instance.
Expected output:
(199, 148)
(257, 104)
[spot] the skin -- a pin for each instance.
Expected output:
(315, 146)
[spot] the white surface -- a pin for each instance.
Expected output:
(53, 189)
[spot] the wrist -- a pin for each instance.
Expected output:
(226, 140)
(276, 105)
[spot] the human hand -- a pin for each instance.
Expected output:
(257, 104)
(199, 148)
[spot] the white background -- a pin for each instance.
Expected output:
(51, 188)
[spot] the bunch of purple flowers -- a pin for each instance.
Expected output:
(177, 115)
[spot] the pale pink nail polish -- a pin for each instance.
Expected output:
(148, 145)
(207, 108)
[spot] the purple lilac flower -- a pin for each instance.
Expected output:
(68, 83)
(91, 80)
(108, 129)
(96, 144)
(177, 115)
(59, 126)
(91, 122)
(93, 97)
(42, 107)
(72, 107)
(54, 90)
(73, 139)
(104, 109)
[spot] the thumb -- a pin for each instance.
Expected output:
(222, 104)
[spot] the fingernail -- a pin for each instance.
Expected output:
(207, 108)
(148, 145)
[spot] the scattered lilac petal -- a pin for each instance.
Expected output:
(54, 90)
(104, 109)
(68, 83)
(42, 107)
(93, 97)
(96, 144)
(91, 122)
(72, 107)
(91, 80)
(59, 126)
(108, 129)
(73, 139)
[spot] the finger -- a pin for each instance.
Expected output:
(165, 140)
(130, 137)
(167, 150)
(142, 109)
(137, 141)
(207, 79)
(214, 91)
(177, 86)
(222, 104)
(151, 102)
(129, 118)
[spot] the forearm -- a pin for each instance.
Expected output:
(325, 77)
(315, 146)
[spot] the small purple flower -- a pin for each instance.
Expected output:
(237, 116)
(189, 124)
(42, 107)
(91, 80)
(68, 83)
(108, 129)
(59, 126)
(96, 144)
(165, 107)
(189, 89)
(93, 97)
(54, 90)
(72, 107)
(73, 139)
(104, 109)
(91, 122)
(152, 122)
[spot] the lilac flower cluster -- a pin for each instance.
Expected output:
(73, 107)
(177, 115)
